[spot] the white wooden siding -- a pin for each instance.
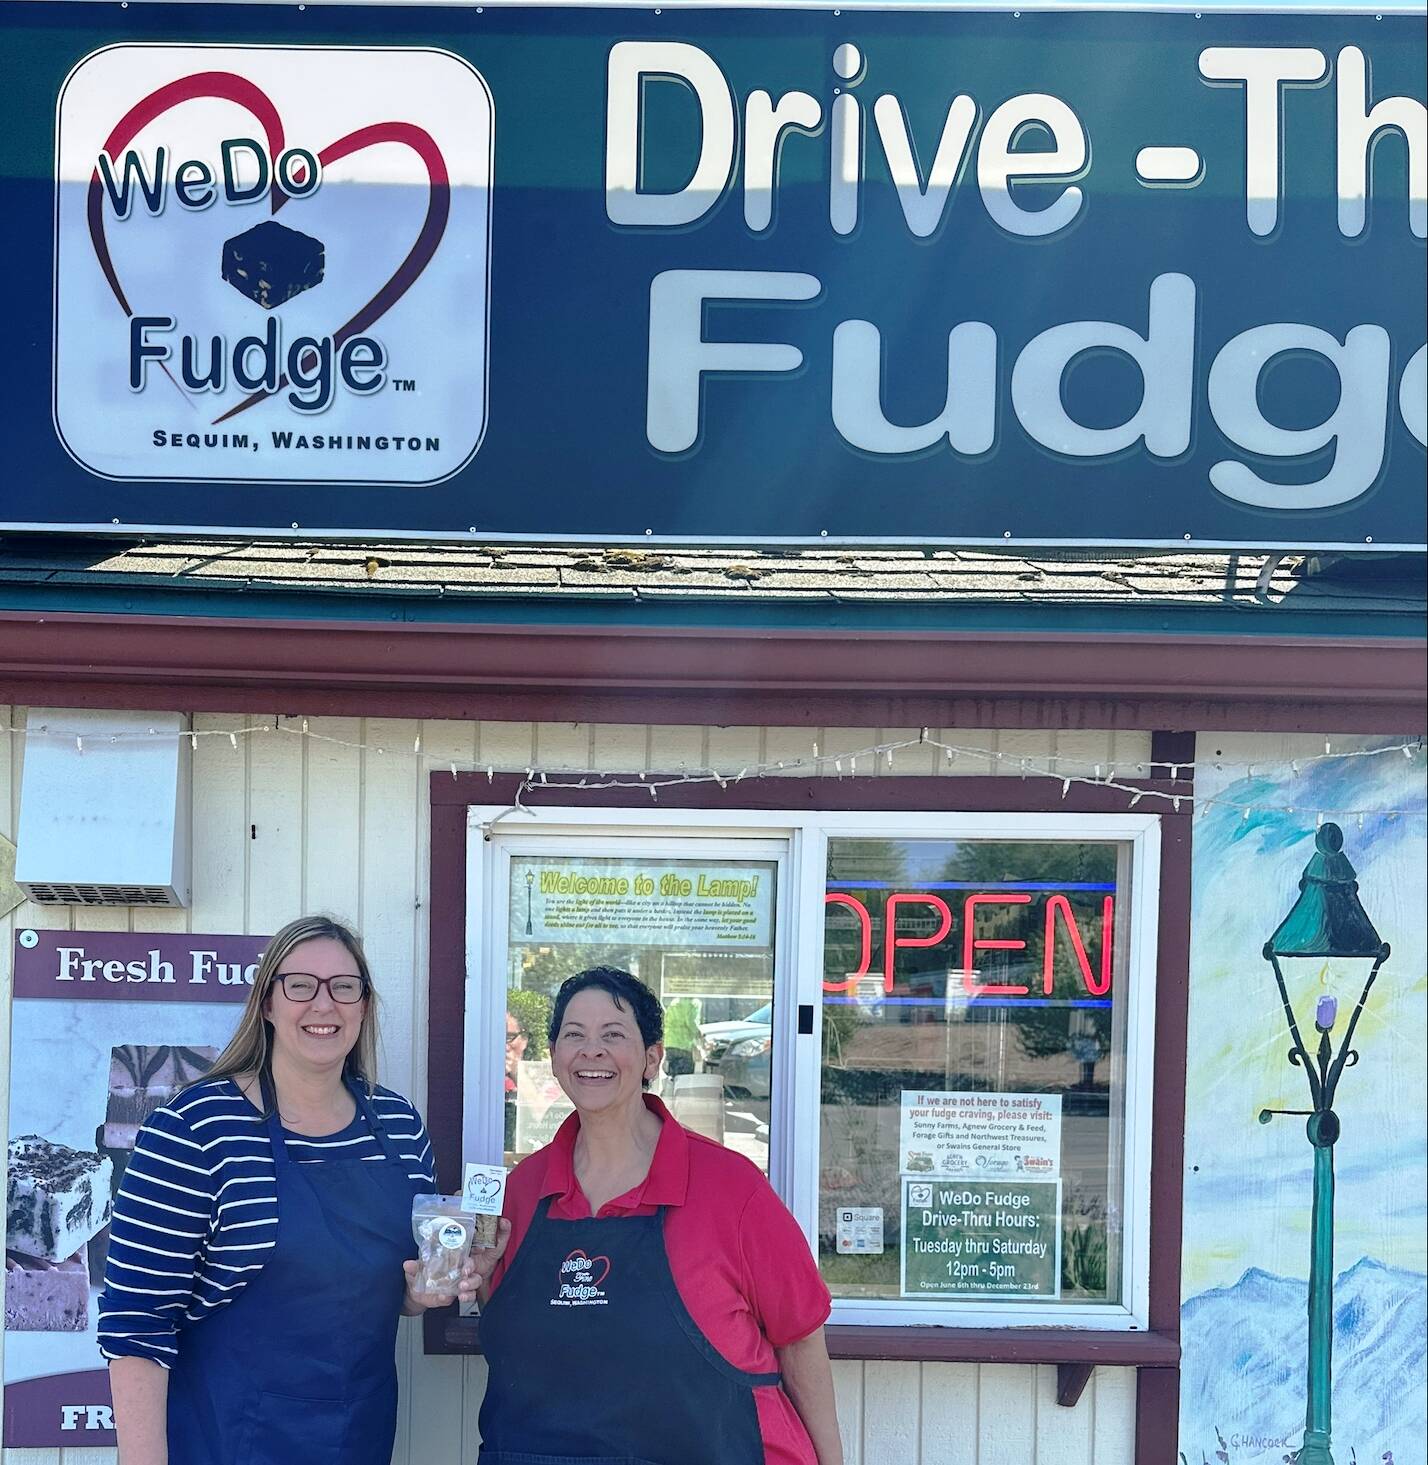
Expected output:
(284, 824)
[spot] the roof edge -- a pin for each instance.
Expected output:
(716, 674)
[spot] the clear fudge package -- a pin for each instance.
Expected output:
(445, 1235)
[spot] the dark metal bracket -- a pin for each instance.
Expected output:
(1071, 1381)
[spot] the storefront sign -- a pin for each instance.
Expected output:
(119, 966)
(980, 1134)
(970, 921)
(640, 903)
(745, 274)
(145, 1015)
(1000, 1240)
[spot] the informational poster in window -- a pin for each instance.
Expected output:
(640, 903)
(106, 1028)
(697, 929)
(997, 1241)
(980, 1134)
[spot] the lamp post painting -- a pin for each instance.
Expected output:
(1327, 924)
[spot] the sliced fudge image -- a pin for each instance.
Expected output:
(144, 1078)
(46, 1297)
(57, 1198)
(271, 263)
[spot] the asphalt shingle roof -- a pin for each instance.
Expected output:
(949, 578)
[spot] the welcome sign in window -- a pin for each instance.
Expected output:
(698, 932)
(973, 1087)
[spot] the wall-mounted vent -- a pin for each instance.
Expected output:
(43, 894)
(104, 809)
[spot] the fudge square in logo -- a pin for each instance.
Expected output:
(272, 263)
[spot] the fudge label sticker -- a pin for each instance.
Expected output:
(272, 263)
(483, 1190)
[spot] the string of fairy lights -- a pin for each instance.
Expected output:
(1176, 790)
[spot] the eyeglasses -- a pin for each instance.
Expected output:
(303, 986)
(512, 1037)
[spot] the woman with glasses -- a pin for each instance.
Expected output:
(261, 1245)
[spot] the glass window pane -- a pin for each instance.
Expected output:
(973, 1070)
(698, 933)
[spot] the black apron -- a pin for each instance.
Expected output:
(595, 1360)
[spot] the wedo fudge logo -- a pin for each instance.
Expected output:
(582, 1281)
(272, 263)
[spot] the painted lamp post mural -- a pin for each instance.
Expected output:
(1327, 924)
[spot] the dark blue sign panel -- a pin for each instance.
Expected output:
(724, 275)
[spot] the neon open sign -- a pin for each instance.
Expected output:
(907, 913)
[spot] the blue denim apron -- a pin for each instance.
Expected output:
(299, 1369)
(594, 1359)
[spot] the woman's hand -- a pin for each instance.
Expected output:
(475, 1277)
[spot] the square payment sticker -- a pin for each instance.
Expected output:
(860, 1230)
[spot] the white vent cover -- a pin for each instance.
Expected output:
(104, 809)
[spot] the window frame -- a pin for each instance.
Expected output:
(1142, 832)
(493, 833)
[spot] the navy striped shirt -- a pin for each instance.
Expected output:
(197, 1212)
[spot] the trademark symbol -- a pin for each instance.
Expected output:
(403, 384)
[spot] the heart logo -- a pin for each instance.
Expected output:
(578, 1261)
(487, 1187)
(228, 86)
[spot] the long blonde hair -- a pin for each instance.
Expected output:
(250, 1050)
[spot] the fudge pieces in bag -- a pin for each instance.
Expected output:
(444, 1236)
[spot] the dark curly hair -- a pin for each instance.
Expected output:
(627, 992)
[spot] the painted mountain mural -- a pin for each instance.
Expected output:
(1256, 1333)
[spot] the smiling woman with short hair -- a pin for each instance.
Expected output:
(657, 1303)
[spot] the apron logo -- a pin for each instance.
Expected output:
(582, 1281)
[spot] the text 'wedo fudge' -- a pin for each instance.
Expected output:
(57, 1197)
(46, 1297)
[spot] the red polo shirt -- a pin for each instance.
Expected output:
(740, 1262)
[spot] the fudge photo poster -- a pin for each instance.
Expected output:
(106, 1028)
